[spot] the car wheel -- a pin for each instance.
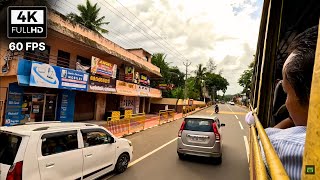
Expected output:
(219, 160)
(122, 163)
(182, 156)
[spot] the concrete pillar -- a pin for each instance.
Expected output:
(100, 108)
(144, 105)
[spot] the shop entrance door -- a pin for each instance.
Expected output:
(50, 107)
(39, 107)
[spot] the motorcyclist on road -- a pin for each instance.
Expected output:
(216, 108)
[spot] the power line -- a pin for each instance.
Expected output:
(111, 30)
(150, 28)
(136, 26)
(144, 33)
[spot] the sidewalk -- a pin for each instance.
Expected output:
(152, 120)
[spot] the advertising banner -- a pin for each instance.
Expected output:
(65, 112)
(13, 114)
(46, 75)
(99, 66)
(73, 80)
(143, 90)
(155, 93)
(124, 88)
(144, 80)
(129, 73)
(101, 84)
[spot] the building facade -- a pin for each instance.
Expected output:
(80, 76)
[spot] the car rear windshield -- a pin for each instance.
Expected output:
(9, 145)
(194, 124)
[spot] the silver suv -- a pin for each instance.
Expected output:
(200, 135)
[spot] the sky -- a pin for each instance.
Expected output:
(223, 30)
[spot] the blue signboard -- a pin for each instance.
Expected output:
(46, 75)
(66, 101)
(14, 103)
(23, 72)
(74, 80)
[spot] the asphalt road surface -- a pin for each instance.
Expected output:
(155, 155)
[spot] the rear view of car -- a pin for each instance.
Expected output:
(200, 136)
(10, 166)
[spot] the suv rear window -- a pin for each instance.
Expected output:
(203, 125)
(9, 146)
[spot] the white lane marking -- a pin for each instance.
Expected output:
(150, 153)
(247, 146)
(240, 125)
(212, 113)
(229, 108)
(236, 116)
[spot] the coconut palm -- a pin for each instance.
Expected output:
(89, 17)
(200, 76)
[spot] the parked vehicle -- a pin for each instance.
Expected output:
(200, 135)
(231, 103)
(57, 150)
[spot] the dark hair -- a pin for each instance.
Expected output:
(299, 70)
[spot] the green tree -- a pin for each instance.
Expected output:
(246, 77)
(200, 76)
(214, 83)
(89, 17)
(178, 93)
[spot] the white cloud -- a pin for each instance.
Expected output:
(226, 30)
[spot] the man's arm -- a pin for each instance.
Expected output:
(284, 124)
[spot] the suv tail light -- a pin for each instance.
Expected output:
(15, 171)
(181, 129)
(215, 131)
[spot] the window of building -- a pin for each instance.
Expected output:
(83, 64)
(94, 137)
(54, 143)
(63, 59)
(37, 55)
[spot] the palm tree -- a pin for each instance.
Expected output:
(200, 75)
(89, 17)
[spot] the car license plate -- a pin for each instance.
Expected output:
(197, 139)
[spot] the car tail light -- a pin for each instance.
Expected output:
(181, 129)
(215, 131)
(15, 171)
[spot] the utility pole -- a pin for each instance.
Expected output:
(187, 64)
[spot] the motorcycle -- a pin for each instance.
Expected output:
(216, 110)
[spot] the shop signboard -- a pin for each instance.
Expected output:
(155, 93)
(73, 80)
(66, 106)
(125, 88)
(129, 73)
(13, 114)
(46, 75)
(143, 90)
(144, 80)
(102, 67)
(101, 84)
(127, 102)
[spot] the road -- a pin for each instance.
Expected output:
(155, 155)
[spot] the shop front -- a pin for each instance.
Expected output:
(43, 93)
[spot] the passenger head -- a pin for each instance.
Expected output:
(297, 75)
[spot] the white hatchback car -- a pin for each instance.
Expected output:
(55, 150)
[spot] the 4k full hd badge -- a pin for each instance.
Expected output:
(27, 22)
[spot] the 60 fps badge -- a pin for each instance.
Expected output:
(27, 22)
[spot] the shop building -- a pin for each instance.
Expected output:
(80, 76)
